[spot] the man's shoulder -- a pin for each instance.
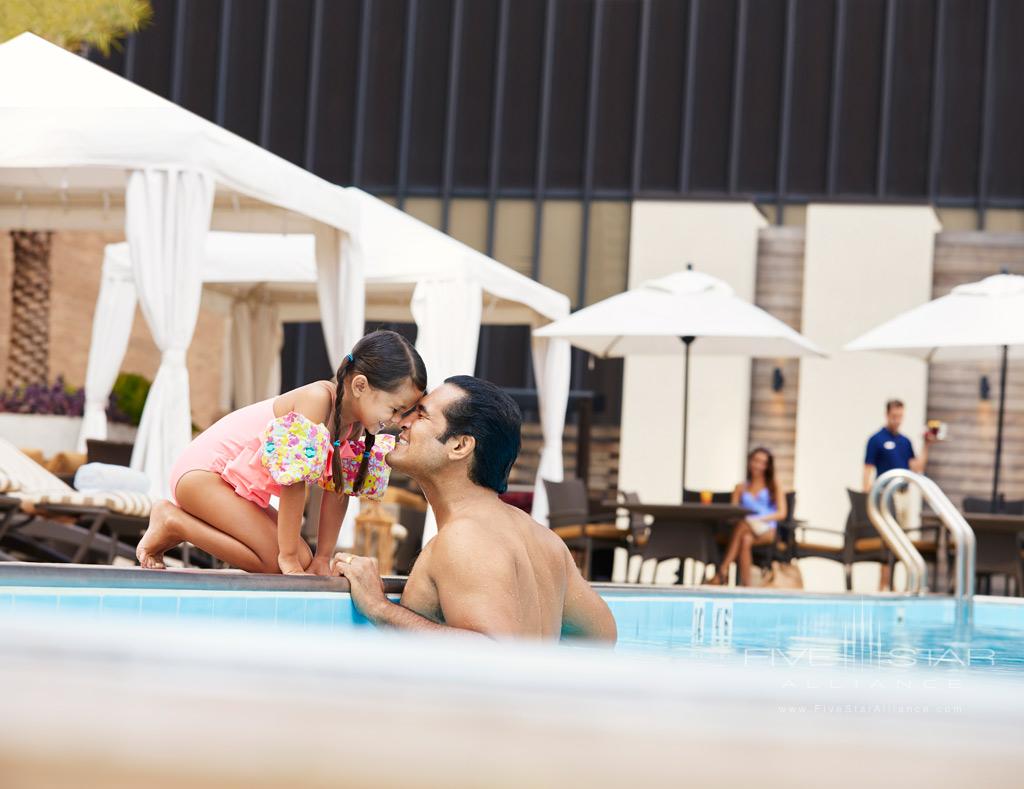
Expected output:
(878, 435)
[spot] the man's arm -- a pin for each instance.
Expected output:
(473, 587)
(918, 463)
(869, 472)
(585, 614)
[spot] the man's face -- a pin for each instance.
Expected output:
(418, 450)
(894, 418)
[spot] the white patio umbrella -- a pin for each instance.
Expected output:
(686, 312)
(978, 320)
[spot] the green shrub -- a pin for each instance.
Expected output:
(128, 398)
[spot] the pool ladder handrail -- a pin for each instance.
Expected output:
(880, 512)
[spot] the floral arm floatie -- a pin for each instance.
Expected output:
(295, 449)
(377, 470)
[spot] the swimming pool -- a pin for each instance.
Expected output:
(111, 674)
(735, 627)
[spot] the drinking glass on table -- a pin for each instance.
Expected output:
(705, 497)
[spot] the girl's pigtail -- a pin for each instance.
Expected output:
(336, 434)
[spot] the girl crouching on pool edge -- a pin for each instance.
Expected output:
(222, 483)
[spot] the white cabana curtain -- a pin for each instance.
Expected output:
(341, 293)
(111, 331)
(552, 367)
(167, 217)
(256, 339)
(447, 314)
(340, 290)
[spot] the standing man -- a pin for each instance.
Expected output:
(888, 449)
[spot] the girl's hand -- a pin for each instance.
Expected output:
(289, 564)
(321, 565)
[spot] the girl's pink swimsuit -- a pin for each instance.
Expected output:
(231, 447)
(256, 453)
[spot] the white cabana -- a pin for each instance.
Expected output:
(446, 289)
(82, 148)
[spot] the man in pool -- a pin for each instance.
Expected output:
(491, 569)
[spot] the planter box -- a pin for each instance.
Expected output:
(52, 434)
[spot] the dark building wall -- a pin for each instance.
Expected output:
(790, 100)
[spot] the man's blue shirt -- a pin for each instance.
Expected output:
(888, 451)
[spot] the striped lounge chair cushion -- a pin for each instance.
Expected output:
(121, 502)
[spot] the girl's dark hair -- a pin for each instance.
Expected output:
(769, 470)
(387, 359)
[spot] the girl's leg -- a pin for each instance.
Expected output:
(747, 544)
(722, 573)
(746, 556)
(215, 519)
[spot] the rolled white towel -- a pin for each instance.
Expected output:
(108, 477)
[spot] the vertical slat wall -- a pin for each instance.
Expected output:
(779, 290)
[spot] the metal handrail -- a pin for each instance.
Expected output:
(880, 513)
(900, 544)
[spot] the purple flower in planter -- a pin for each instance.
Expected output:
(42, 398)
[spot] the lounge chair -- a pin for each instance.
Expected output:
(42, 517)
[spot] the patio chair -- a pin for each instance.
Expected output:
(53, 520)
(998, 553)
(860, 540)
(582, 530)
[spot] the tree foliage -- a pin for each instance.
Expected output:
(76, 25)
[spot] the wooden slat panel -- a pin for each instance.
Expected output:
(779, 290)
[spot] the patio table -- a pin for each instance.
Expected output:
(1000, 531)
(681, 530)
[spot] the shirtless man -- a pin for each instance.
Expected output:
(491, 569)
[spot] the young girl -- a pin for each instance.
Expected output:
(223, 481)
(762, 495)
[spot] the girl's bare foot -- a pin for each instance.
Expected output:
(718, 579)
(159, 537)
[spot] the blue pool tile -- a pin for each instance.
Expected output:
(80, 604)
(319, 613)
(196, 607)
(229, 608)
(35, 602)
(162, 605)
(6, 603)
(290, 611)
(121, 605)
(259, 609)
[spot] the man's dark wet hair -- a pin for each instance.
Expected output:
(493, 418)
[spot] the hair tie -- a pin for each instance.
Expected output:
(366, 454)
(337, 443)
(351, 359)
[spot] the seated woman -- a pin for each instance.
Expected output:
(762, 495)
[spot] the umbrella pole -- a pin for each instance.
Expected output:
(999, 431)
(687, 341)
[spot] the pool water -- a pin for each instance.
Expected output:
(842, 632)
(814, 631)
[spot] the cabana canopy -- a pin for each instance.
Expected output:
(82, 148)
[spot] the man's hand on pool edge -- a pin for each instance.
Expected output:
(365, 584)
(367, 590)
